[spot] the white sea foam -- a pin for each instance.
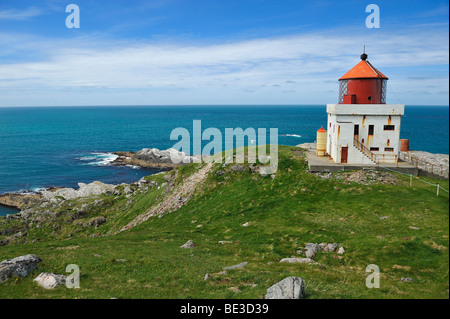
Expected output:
(291, 135)
(133, 166)
(34, 191)
(99, 159)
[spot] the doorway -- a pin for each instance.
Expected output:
(344, 155)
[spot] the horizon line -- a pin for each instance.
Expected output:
(188, 105)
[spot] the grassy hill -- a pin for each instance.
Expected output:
(283, 213)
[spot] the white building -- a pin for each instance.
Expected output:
(362, 128)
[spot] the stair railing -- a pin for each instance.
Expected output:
(360, 146)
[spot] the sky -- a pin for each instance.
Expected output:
(208, 52)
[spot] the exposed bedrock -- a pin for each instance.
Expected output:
(154, 158)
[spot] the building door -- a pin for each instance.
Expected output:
(344, 155)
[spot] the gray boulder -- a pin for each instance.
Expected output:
(207, 276)
(266, 170)
(238, 266)
(20, 266)
(310, 254)
(50, 281)
(238, 168)
(189, 244)
(297, 260)
(314, 247)
(288, 288)
(332, 247)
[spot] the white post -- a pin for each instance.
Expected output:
(437, 192)
(410, 180)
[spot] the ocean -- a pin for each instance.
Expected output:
(42, 147)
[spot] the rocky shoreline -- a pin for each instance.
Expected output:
(49, 208)
(24, 200)
(20, 200)
(154, 158)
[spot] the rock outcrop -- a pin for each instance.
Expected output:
(154, 158)
(20, 266)
(311, 249)
(85, 190)
(20, 200)
(33, 199)
(288, 288)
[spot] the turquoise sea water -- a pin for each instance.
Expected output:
(44, 147)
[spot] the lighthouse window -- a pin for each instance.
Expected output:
(371, 127)
(388, 149)
(370, 98)
(389, 127)
(374, 149)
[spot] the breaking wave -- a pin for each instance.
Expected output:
(98, 159)
(291, 135)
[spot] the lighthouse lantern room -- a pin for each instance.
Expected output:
(362, 128)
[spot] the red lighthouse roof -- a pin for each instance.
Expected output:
(363, 70)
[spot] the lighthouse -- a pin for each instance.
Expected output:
(362, 128)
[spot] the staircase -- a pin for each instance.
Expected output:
(365, 151)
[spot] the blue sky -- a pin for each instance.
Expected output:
(162, 52)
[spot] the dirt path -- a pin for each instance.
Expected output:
(180, 195)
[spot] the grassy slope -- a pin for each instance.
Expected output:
(284, 214)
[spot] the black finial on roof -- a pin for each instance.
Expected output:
(364, 55)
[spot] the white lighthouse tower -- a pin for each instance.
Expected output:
(362, 128)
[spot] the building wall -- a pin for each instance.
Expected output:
(341, 126)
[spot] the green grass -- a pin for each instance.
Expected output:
(284, 213)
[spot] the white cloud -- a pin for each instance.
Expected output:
(13, 14)
(234, 72)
